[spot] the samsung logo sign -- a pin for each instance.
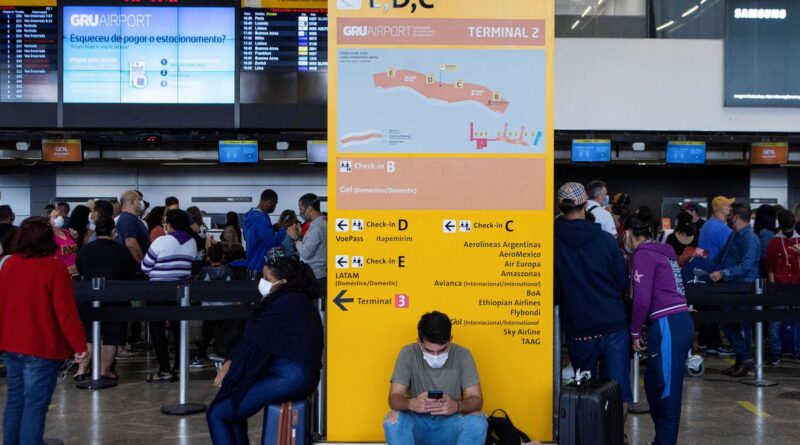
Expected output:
(760, 14)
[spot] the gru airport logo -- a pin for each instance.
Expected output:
(759, 14)
(110, 20)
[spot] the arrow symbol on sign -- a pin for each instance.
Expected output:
(449, 226)
(342, 225)
(339, 300)
(342, 262)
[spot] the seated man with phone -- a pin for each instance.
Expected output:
(435, 392)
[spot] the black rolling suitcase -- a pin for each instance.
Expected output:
(591, 413)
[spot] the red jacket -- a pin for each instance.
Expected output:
(782, 261)
(38, 315)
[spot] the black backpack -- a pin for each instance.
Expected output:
(502, 432)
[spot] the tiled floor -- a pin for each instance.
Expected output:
(717, 410)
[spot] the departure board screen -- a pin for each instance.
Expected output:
(28, 54)
(284, 56)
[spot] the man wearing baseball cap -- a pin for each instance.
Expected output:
(590, 278)
(715, 231)
(713, 236)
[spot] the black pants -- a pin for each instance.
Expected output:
(206, 336)
(158, 335)
(709, 334)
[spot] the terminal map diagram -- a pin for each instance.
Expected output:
(441, 101)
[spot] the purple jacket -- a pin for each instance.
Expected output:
(656, 285)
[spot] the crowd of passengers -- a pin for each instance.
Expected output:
(618, 279)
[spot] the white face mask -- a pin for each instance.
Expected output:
(58, 222)
(435, 361)
(141, 206)
(264, 287)
(92, 226)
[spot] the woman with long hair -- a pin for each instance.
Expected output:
(660, 325)
(232, 233)
(155, 222)
(67, 248)
(79, 222)
(280, 356)
(39, 328)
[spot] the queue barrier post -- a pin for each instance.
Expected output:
(636, 406)
(182, 408)
(759, 358)
(97, 381)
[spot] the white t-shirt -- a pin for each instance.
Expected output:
(602, 217)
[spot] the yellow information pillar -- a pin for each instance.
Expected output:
(440, 198)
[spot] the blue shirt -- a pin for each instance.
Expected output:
(713, 236)
(739, 259)
(129, 226)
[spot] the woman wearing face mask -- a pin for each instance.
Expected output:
(280, 357)
(67, 250)
(660, 302)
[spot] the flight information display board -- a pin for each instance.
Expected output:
(284, 55)
(283, 79)
(28, 54)
(287, 40)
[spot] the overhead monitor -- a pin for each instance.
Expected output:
(769, 153)
(158, 64)
(317, 152)
(284, 64)
(591, 150)
(762, 40)
(62, 150)
(28, 63)
(686, 152)
(238, 152)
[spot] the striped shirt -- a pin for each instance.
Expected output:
(170, 258)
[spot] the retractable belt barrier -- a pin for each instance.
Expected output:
(99, 291)
(745, 303)
(744, 294)
(115, 292)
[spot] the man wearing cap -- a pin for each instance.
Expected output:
(590, 278)
(714, 235)
(715, 231)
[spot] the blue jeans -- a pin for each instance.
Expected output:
(775, 340)
(31, 382)
(284, 380)
(774, 335)
(607, 356)
(666, 409)
(739, 335)
(425, 429)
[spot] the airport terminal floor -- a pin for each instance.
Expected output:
(717, 410)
